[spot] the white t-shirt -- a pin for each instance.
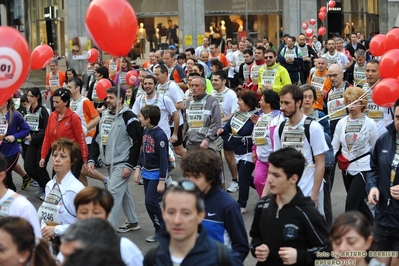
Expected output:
(174, 92)
(263, 151)
(21, 207)
(229, 104)
(199, 49)
(336, 58)
(319, 146)
(130, 253)
(164, 103)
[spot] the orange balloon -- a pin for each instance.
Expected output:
(92, 55)
(131, 77)
(41, 56)
(14, 61)
(101, 88)
(112, 25)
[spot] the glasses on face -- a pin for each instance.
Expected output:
(333, 75)
(269, 57)
(187, 185)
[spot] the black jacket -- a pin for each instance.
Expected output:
(379, 177)
(204, 252)
(297, 224)
(352, 50)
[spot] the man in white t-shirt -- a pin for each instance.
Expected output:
(203, 47)
(13, 204)
(293, 135)
(335, 57)
(227, 99)
(165, 104)
(173, 91)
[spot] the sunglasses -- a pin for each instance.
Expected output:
(269, 57)
(187, 185)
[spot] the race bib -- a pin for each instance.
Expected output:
(3, 126)
(238, 121)
(33, 120)
(261, 129)
(294, 138)
(106, 127)
(196, 115)
(49, 211)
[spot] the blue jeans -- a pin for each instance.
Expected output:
(152, 203)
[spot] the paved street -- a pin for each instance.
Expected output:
(338, 195)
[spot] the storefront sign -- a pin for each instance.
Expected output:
(200, 39)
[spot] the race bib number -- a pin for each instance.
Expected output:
(33, 121)
(49, 211)
(3, 125)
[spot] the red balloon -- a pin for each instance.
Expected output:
(391, 40)
(323, 9)
(377, 45)
(309, 32)
(112, 25)
(321, 31)
(304, 25)
(389, 64)
(131, 77)
(331, 4)
(102, 86)
(41, 56)
(14, 61)
(92, 55)
(386, 92)
(312, 21)
(322, 15)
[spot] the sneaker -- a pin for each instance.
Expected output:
(26, 180)
(34, 183)
(99, 163)
(126, 227)
(243, 210)
(141, 182)
(150, 238)
(39, 192)
(172, 166)
(233, 187)
(106, 181)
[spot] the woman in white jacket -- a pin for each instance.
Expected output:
(355, 136)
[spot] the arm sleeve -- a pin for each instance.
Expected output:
(23, 127)
(162, 146)
(39, 136)
(336, 143)
(79, 136)
(46, 142)
(255, 232)
(235, 227)
(135, 132)
(373, 174)
(216, 121)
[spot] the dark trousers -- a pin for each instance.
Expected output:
(152, 203)
(11, 162)
(245, 180)
(355, 186)
(31, 165)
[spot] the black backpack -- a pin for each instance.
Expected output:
(329, 155)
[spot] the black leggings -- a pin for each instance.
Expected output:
(31, 165)
(11, 162)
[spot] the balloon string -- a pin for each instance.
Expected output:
(26, 81)
(349, 105)
(118, 96)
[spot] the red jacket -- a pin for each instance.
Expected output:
(69, 127)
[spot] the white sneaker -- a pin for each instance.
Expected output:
(233, 187)
(106, 182)
(243, 210)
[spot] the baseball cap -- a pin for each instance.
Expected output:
(172, 47)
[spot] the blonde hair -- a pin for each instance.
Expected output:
(353, 94)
